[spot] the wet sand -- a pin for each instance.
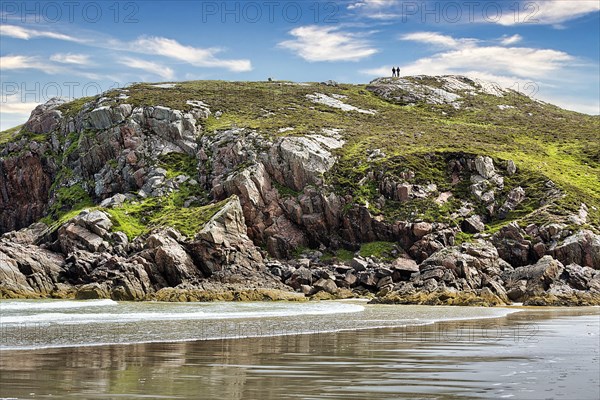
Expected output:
(533, 354)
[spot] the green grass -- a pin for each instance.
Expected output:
(10, 134)
(285, 191)
(379, 250)
(68, 202)
(136, 218)
(72, 108)
(544, 141)
(340, 255)
(179, 164)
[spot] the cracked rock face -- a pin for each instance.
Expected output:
(280, 198)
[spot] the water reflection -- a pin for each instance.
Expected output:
(449, 360)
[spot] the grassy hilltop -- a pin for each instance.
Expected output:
(544, 141)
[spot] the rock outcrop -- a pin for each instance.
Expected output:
(147, 202)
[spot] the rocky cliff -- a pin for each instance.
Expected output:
(433, 190)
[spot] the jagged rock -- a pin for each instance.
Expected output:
(359, 264)
(301, 276)
(512, 245)
(367, 279)
(302, 160)
(581, 217)
(25, 183)
(430, 244)
(421, 229)
(538, 276)
(172, 261)
(511, 168)
(473, 224)
(470, 262)
(223, 243)
(582, 248)
(385, 281)
(579, 277)
(516, 290)
(515, 197)
(93, 291)
(115, 201)
(485, 167)
(44, 118)
(327, 285)
(72, 236)
(432, 273)
(29, 235)
(411, 91)
(405, 264)
(96, 221)
(350, 279)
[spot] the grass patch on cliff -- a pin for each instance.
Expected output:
(379, 250)
(543, 140)
(73, 107)
(140, 217)
(285, 191)
(10, 134)
(178, 164)
(68, 202)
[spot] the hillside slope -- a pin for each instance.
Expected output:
(417, 176)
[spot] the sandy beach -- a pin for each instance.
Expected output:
(536, 353)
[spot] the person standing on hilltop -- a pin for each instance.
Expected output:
(397, 72)
(393, 72)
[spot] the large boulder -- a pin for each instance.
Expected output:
(471, 262)
(582, 248)
(513, 246)
(28, 268)
(171, 260)
(538, 276)
(223, 243)
(44, 118)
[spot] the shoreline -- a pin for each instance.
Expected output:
(512, 309)
(494, 357)
(319, 332)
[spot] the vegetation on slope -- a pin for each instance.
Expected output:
(545, 142)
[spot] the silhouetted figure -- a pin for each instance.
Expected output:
(393, 72)
(398, 72)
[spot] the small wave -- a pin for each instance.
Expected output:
(54, 305)
(84, 318)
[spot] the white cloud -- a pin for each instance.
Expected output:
(199, 57)
(157, 46)
(436, 39)
(17, 62)
(18, 108)
(372, 4)
(70, 58)
(14, 110)
(20, 62)
(317, 43)
(508, 40)
(469, 55)
(149, 66)
(549, 12)
(19, 32)
(376, 9)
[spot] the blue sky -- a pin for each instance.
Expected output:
(549, 49)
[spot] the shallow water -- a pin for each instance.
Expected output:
(539, 354)
(56, 323)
